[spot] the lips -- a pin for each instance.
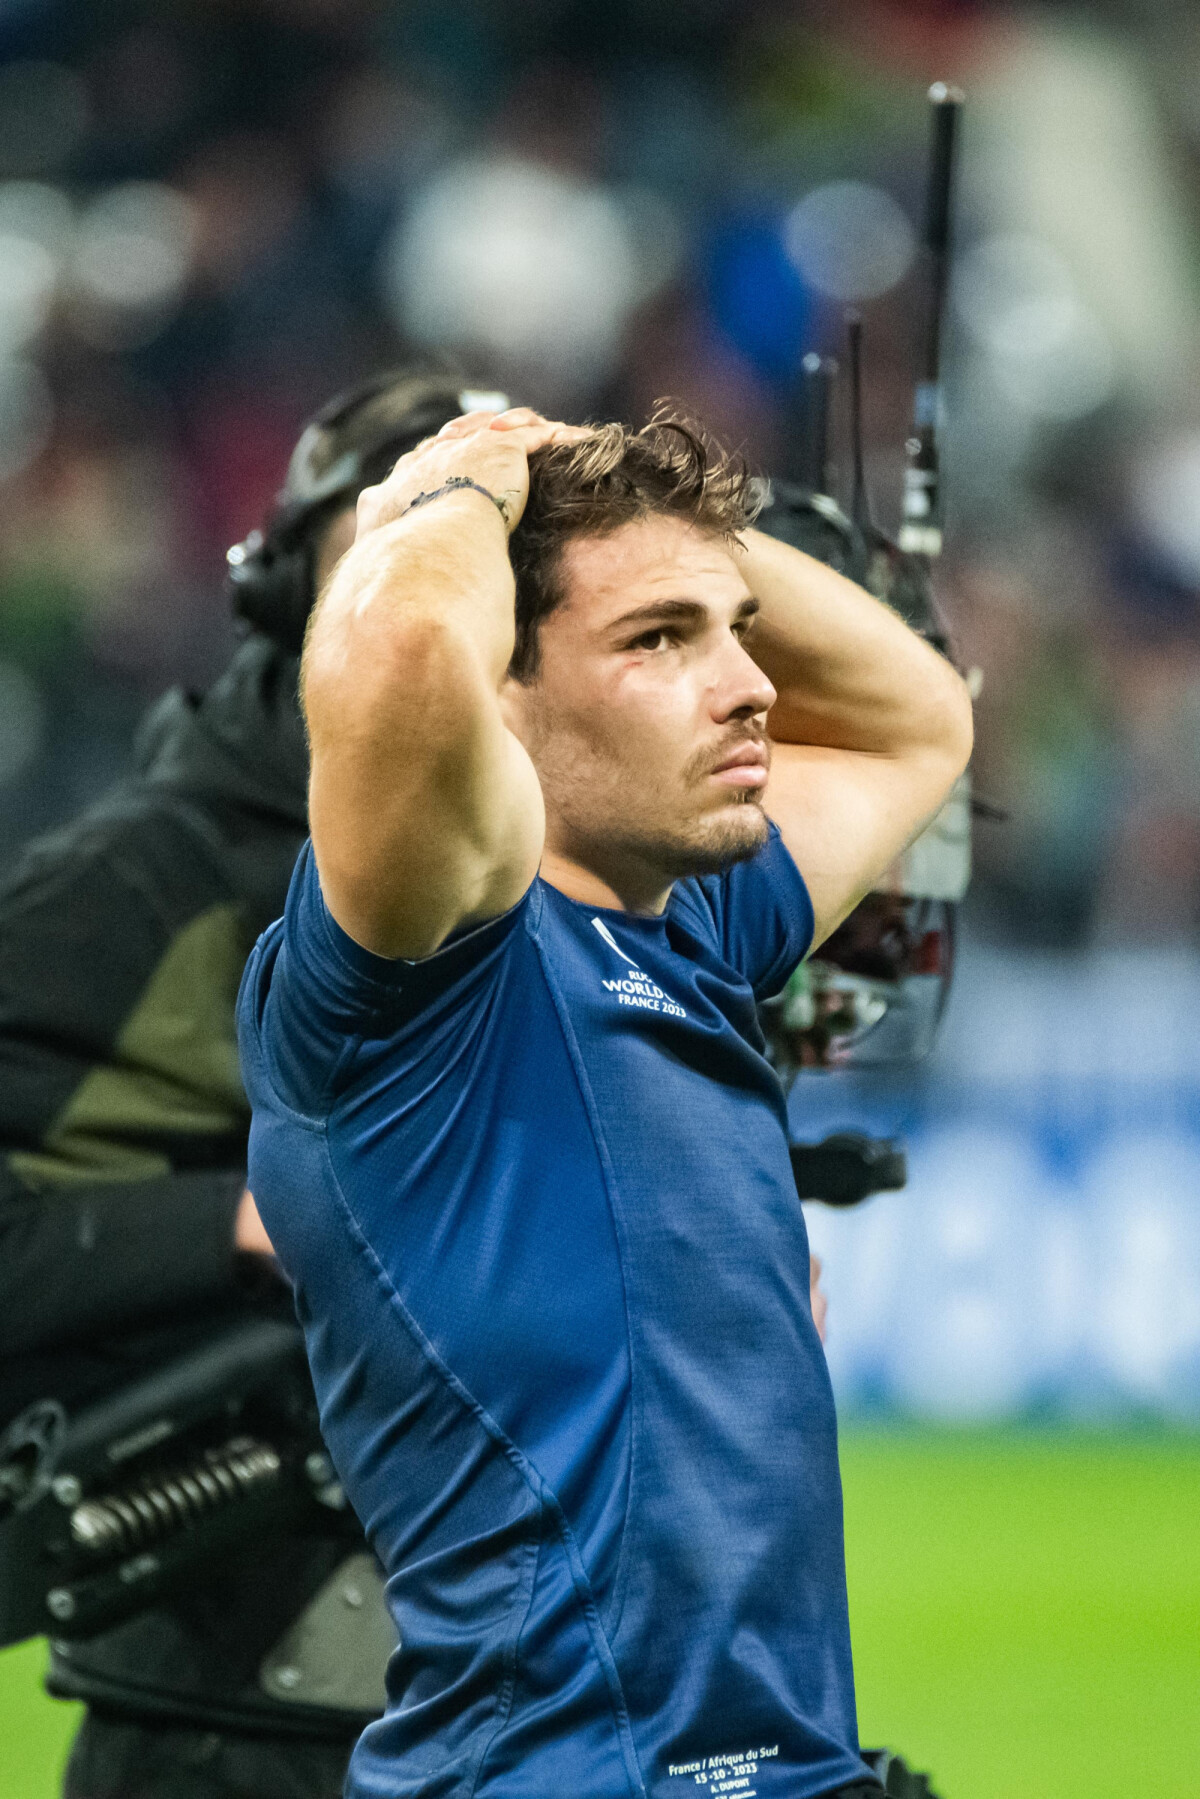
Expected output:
(747, 766)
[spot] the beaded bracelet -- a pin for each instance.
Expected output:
(455, 481)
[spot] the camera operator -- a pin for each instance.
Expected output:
(123, 1132)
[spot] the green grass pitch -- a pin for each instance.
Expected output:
(1025, 1610)
(1025, 1607)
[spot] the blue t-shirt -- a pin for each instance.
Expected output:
(535, 1197)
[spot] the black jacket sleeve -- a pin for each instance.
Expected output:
(122, 1120)
(80, 1260)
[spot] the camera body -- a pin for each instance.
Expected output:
(122, 1478)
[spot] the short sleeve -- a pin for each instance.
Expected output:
(758, 915)
(311, 995)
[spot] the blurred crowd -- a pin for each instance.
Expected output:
(214, 214)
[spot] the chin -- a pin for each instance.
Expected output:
(738, 833)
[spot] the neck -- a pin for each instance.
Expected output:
(628, 888)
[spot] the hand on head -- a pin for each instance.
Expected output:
(491, 449)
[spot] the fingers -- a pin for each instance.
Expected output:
(520, 426)
(464, 425)
(515, 418)
(820, 1305)
(534, 430)
(552, 431)
(468, 422)
(491, 448)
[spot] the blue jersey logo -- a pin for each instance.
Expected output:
(636, 988)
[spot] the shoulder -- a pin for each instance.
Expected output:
(315, 1005)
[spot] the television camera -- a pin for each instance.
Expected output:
(126, 1467)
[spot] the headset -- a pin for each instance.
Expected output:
(351, 443)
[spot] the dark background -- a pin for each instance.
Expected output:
(214, 214)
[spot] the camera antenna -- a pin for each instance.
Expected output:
(921, 529)
(817, 375)
(860, 504)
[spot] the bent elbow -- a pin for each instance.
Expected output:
(960, 725)
(949, 723)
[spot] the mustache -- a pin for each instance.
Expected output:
(708, 760)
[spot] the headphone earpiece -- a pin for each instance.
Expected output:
(816, 524)
(271, 586)
(271, 576)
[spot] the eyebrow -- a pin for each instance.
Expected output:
(680, 612)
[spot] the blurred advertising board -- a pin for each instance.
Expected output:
(1045, 1258)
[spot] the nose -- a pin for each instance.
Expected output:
(739, 689)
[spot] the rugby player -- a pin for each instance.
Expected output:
(594, 765)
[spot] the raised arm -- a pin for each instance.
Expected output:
(425, 811)
(871, 727)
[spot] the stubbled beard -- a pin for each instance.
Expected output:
(708, 848)
(606, 817)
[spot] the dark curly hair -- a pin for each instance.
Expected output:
(610, 478)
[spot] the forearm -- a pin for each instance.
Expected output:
(442, 567)
(850, 674)
(412, 766)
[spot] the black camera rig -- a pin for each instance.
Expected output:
(122, 1476)
(874, 992)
